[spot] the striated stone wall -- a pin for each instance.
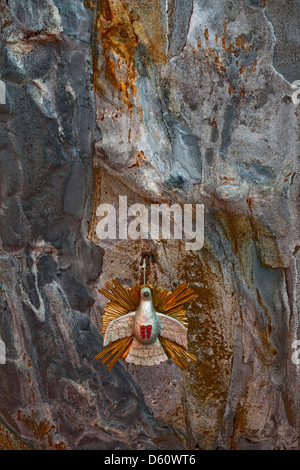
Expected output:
(175, 101)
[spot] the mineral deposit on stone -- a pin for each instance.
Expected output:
(177, 101)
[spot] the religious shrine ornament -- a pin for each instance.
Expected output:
(145, 325)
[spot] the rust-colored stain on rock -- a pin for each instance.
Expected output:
(139, 159)
(120, 27)
(9, 442)
(41, 430)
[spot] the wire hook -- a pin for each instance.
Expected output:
(145, 264)
(144, 267)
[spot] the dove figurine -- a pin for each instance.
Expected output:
(145, 336)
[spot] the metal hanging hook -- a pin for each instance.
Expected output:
(145, 264)
(144, 267)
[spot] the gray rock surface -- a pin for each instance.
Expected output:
(177, 101)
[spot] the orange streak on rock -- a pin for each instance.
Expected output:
(120, 27)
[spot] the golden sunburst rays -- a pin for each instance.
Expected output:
(114, 351)
(174, 351)
(124, 300)
(171, 303)
(121, 302)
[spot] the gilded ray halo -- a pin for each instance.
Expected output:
(167, 323)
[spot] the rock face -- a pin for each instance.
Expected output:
(176, 102)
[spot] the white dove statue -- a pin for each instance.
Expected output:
(145, 325)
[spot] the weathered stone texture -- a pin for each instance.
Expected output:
(163, 101)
